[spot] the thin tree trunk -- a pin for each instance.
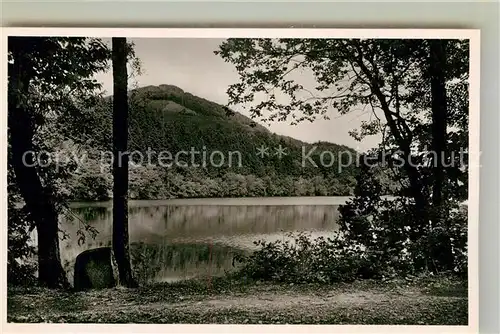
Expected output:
(437, 63)
(42, 210)
(120, 163)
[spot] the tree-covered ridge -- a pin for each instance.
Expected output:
(165, 118)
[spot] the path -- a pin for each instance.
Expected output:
(258, 304)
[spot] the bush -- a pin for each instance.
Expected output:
(305, 260)
(144, 261)
(379, 247)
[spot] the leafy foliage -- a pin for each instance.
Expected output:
(143, 264)
(392, 79)
(20, 266)
(303, 260)
(49, 78)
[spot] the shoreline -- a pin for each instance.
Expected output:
(226, 201)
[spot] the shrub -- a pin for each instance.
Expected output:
(303, 259)
(144, 261)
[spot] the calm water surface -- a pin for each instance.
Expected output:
(179, 239)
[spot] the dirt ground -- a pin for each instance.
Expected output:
(434, 303)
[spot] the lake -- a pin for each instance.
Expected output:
(183, 238)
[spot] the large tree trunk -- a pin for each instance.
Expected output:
(120, 163)
(41, 208)
(442, 252)
(437, 63)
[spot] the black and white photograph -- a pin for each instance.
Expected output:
(242, 176)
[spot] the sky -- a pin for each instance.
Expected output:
(191, 65)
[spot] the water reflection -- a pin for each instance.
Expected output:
(172, 242)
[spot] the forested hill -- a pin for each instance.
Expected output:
(165, 118)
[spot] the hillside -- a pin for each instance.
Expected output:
(165, 118)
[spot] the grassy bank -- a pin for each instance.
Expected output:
(436, 301)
